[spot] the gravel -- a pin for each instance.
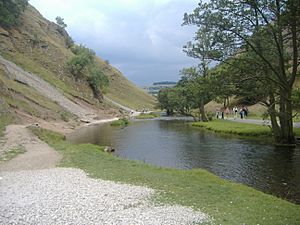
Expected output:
(68, 196)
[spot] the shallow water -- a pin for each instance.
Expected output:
(170, 143)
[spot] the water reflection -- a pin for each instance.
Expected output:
(175, 144)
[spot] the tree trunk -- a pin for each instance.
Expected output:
(286, 117)
(202, 115)
(273, 118)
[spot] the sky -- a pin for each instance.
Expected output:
(142, 38)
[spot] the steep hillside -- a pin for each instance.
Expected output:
(40, 47)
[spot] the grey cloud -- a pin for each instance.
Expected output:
(145, 43)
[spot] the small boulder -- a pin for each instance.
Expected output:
(108, 149)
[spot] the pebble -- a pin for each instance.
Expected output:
(68, 196)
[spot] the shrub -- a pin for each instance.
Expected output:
(83, 57)
(98, 81)
(69, 42)
(10, 11)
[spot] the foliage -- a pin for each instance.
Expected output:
(77, 65)
(10, 11)
(224, 201)
(69, 42)
(82, 65)
(83, 57)
(82, 50)
(259, 39)
(98, 81)
(60, 22)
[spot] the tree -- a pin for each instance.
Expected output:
(198, 83)
(239, 26)
(60, 22)
(98, 81)
(10, 11)
(78, 64)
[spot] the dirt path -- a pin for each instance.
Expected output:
(257, 121)
(132, 112)
(38, 154)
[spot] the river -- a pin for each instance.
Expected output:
(174, 143)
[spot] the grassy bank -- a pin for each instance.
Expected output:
(236, 128)
(151, 115)
(120, 122)
(225, 202)
(230, 127)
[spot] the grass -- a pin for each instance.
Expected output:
(226, 202)
(13, 153)
(230, 127)
(5, 116)
(49, 62)
(27, 99)
(122, 91)
(151, 115)
(236, 128)
(120, 122)
(4, 121)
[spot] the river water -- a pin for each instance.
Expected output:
(174, 143)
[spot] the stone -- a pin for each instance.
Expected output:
(4, 32)
(108, 149)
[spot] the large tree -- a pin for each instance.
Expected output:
(238, 27)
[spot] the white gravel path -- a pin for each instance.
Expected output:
(68, 196)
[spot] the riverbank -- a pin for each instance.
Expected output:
(238, 128)
(226, 202)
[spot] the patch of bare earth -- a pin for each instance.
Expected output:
(38, 154)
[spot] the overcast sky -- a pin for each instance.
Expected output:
(142, 38)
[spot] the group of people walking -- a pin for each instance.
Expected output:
(224, 112)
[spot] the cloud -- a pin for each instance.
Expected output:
(143, 39)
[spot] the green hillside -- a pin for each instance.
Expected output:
(40, 47)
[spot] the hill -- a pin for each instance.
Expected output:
(41, 48)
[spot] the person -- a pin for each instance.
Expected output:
(235, 110)
(242, 113)
(222, 113)
(245, 112)
(217, 113)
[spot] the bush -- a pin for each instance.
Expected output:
(83, 63)
(83, 57)
(10, 11)
(77, 65)
(98, 81)
(69, 42)
(81, 49)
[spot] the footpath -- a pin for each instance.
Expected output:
(257, 121)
